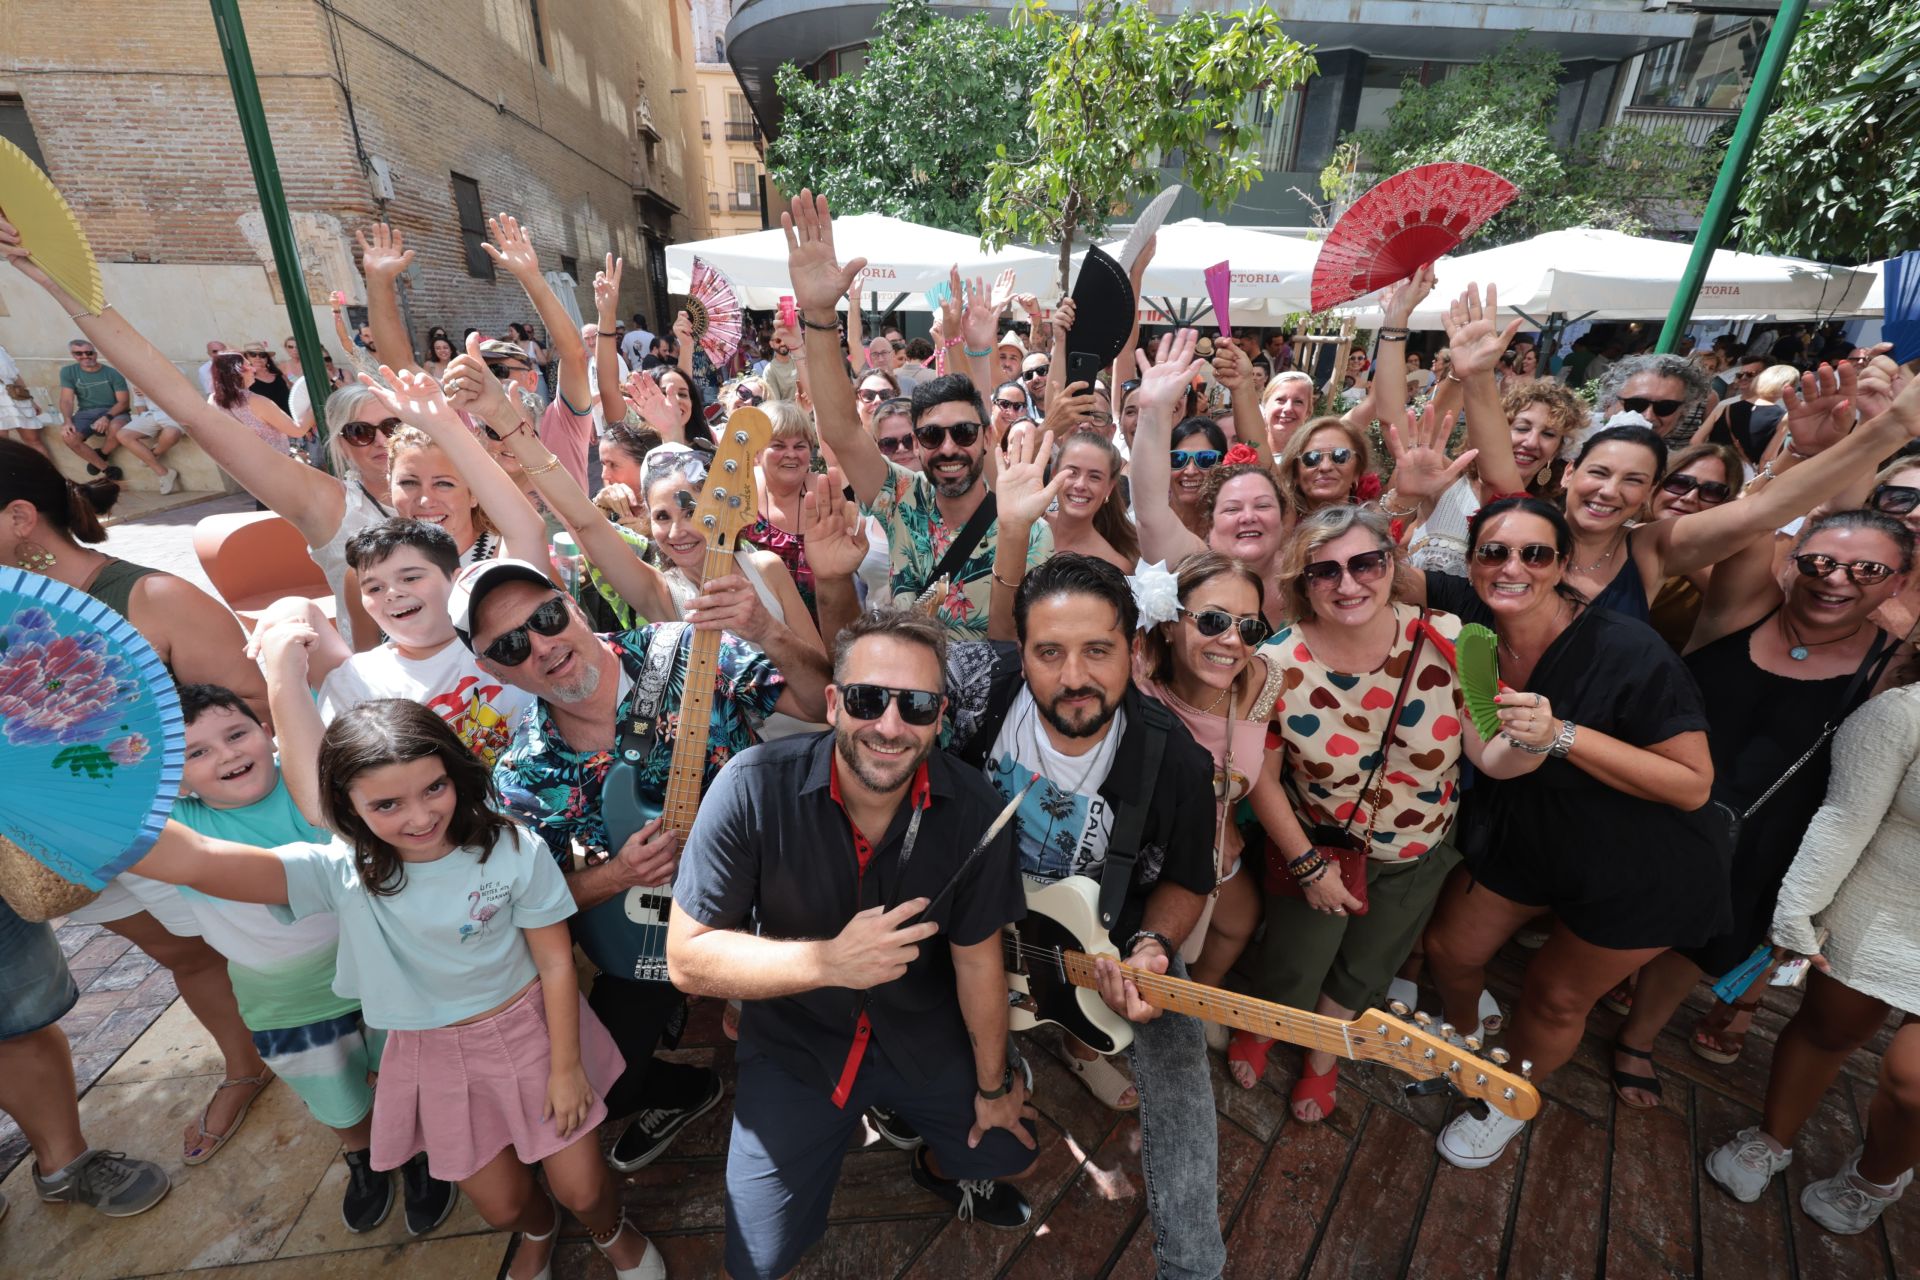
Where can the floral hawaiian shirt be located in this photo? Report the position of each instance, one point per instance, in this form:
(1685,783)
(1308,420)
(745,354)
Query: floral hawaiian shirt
(557,790)
(916,540)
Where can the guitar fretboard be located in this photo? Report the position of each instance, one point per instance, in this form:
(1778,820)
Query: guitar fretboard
(687,775)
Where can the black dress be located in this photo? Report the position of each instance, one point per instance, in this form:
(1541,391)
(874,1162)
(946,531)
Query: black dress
(1619,871)
(1762,723)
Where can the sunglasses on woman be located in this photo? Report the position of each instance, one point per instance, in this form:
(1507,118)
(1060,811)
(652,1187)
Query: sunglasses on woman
(1535,555)
(891,445)
(1368,566)
(1712,492)
(1661,408)
(1214,622)
(870,702)
(1009,406)
(513,647)
(748,397)
(362,433)
(869,396)
(1314,457)
(1202,459)
(963,433)
(1894,499)
(1861,573)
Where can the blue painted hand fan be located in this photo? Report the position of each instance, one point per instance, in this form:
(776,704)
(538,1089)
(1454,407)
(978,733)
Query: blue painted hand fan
(1901,322)
(91,738)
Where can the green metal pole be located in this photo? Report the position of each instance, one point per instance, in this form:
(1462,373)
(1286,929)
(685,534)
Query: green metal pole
(273,205)
(1719,212)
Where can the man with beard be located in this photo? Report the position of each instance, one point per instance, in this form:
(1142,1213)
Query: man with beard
(530,635)
(816,871)
(936,520)
(1126,794)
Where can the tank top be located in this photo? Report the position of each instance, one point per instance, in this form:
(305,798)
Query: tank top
(243,414)
(1238,747)
(792,550)
(1626,595)
(113,585)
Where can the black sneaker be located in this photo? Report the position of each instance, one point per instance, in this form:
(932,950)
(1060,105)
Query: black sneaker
(106,1181)
(653,1130)
(428,1199)
(996,1204)
(114,473)
(893,1126)
(369,1196)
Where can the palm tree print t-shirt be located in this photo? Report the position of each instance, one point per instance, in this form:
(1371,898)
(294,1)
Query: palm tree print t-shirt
(1064,822)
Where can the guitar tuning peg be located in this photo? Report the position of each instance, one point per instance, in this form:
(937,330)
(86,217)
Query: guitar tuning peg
(1446,1030)
(1473,1044)
(1526,1068)
(1398,1008)
(1480,1079)
(1501,1057)
(1424,1019)
(1507,1094)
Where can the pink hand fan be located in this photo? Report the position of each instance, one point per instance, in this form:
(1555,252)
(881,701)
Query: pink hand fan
(713,304)
(1402,225)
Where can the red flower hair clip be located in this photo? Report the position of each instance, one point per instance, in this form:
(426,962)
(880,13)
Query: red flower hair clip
(1240,455)
(1367,488)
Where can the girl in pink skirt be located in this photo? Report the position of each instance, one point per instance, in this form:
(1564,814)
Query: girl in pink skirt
(453,937)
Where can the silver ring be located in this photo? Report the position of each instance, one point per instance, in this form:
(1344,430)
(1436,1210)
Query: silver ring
(1339,911)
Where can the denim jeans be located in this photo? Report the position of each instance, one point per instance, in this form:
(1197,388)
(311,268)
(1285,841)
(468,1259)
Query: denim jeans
(1179,1144)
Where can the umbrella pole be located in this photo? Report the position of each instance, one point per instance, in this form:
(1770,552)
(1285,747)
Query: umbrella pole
(1719,211)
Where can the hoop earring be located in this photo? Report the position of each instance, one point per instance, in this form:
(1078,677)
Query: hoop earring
(32,557)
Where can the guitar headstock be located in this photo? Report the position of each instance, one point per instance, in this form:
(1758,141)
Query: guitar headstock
(1405,1042)
(727,503)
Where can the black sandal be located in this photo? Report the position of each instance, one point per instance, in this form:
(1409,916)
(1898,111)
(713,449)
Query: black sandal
(1623,1081)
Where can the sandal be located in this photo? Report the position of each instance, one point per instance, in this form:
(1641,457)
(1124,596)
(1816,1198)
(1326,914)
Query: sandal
(1104,1081)
(651,1265)
(527,1237)
(1620,999)
(1712,1037)
(1251,1051)
(1645,1084)
(198,1150)
(1317,1089)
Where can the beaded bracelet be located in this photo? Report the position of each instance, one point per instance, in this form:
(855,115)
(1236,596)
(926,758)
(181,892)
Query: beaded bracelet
(981,354)
(1394,335)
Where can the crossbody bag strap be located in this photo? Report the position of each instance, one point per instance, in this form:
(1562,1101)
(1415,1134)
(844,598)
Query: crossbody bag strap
(1393,724)
(1130,825)
(964,543)
(1869,670)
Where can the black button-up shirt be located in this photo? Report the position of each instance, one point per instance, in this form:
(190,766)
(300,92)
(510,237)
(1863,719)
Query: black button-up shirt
(772,852)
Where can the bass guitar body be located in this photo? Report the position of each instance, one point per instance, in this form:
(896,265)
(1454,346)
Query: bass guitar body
(1061,917)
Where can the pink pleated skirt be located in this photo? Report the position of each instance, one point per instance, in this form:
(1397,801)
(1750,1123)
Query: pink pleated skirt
(464,1094)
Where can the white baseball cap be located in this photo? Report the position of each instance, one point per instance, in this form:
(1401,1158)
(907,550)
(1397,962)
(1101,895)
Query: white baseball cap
(471,584)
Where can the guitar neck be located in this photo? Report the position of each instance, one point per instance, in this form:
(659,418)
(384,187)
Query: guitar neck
(687,775)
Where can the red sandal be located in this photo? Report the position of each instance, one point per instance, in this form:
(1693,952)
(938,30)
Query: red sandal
(1250,1049)
(1317,1089)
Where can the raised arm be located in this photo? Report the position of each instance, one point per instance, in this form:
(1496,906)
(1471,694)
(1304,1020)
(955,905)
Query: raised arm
(976,331)
(511,248)
(1477,341)
(217,868)
(1387,389)
(819,281)
(383,256)
(284,649)
(1237,374)
(1022,494)
(683,344)
(1163,387)
(273,415)
(606,308)
(856,348)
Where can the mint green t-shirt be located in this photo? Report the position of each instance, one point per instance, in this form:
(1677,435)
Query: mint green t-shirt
(95,390)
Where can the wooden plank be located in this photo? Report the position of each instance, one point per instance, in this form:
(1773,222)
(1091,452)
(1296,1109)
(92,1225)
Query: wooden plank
(1465,1220)
(1650,1193)
(1371,1227)
(865,1249)
(1737,1239)
(1092,1218)
(1275,1231)
(964,1249)
(1557,1217)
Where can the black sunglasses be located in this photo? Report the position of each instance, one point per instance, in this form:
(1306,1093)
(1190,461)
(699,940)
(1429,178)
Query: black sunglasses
(1204,459)
(748,397)
(1011,406)
(1313,457)
(895,444)
(504,371)
(1214,622)
(362,433)
(1861,573)
(963,433)
(1535,555)
(1894,499)
(1712,492)
(868,396)
(1661,408)
(1368,566)
(1038,371)
(513,647)
(870,701)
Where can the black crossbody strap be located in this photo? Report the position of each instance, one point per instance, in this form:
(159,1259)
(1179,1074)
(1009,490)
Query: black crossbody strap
(964,543)
(1130,823)
(1393,724)
(1869,670)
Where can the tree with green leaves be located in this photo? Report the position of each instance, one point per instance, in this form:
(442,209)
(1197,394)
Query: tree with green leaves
(1835,174)
(1121,86)
(912,132)
(1498,113)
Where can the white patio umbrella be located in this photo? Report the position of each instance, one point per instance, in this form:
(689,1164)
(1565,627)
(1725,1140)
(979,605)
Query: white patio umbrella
(1272,274)
(903,258)
(1584,273)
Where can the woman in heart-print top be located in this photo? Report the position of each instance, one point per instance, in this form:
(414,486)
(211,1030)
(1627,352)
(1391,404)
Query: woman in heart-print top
(1342,664)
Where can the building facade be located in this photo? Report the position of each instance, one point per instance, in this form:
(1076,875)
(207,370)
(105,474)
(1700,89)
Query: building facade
(732,164)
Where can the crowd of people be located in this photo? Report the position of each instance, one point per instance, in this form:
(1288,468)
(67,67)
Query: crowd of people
(1191,624)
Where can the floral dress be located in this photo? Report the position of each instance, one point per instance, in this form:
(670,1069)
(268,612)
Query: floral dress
(1330,725)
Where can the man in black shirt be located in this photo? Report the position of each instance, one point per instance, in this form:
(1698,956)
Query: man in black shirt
(784,900)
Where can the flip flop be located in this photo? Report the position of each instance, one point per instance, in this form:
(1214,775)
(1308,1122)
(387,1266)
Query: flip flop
(1317,1089)
(199,1152)
(1645,1084)
(1250,1049)
(1104,1081)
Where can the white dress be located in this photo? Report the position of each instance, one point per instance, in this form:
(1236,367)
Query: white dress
(1858,869)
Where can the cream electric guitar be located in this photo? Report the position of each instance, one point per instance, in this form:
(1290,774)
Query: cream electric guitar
(1050,956)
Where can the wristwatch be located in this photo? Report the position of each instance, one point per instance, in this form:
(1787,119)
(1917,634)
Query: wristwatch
(1166,944)
(1563,743)
(1006,1085)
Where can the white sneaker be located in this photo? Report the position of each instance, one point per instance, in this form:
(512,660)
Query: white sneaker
(169,480)
(1472,1143)
(1843,1205)
(1745,1165)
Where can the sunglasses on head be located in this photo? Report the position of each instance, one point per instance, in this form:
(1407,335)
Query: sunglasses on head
(895,444)
(1202,459)
(870,701)
(362,433)
(513,647)
(1894,499)
(503,371)
(963,433)
(1535,555)
(1130,386)
(1712,492)
(1214,622)
(1368,566)
(1861,573)
(1314,457)
(748,397)
(1038,371)
(1661,408)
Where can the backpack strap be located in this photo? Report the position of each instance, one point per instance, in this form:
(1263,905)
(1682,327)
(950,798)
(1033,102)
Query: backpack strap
(1130,821)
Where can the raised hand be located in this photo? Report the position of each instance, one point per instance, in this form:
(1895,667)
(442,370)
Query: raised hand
(383,251)
(1165,378)
(1474,334)
(1003,287)
(1234,368)
(1022,491)
(1881,381)
(982,313)
(1062,321)
(617,500)
(1068,408)
(471,387)
(832,528)
(1401,298)
(1820,409)
(413,396)
(1420,467)
(950,322)
(683,329)
(661,414)
(606,293)
(511,248)
(813,265)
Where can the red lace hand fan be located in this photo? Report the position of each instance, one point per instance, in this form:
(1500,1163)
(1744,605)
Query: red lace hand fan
(713,304)
(1402,225)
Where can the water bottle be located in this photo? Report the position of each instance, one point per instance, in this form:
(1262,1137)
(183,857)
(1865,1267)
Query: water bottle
(565,554)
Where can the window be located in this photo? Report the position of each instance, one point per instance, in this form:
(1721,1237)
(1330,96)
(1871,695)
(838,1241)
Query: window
(746,188)
(1277,126)
(739,119)
(1711,71)
(570,266)
(16,128)
(473,226)
(539,35)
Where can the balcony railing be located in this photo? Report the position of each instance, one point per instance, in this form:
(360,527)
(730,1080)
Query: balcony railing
(745,201)
(706,131)
(741,131)
(713,202)
(1696,125)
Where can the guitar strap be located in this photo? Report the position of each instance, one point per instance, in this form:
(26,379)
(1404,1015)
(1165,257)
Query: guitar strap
(640,731)
(1130,823)
(662,649)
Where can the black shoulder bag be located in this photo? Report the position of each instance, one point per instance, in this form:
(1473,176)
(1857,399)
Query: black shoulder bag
(964,543)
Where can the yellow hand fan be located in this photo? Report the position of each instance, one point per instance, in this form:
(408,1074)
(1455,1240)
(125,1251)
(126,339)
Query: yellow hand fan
(48,228)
